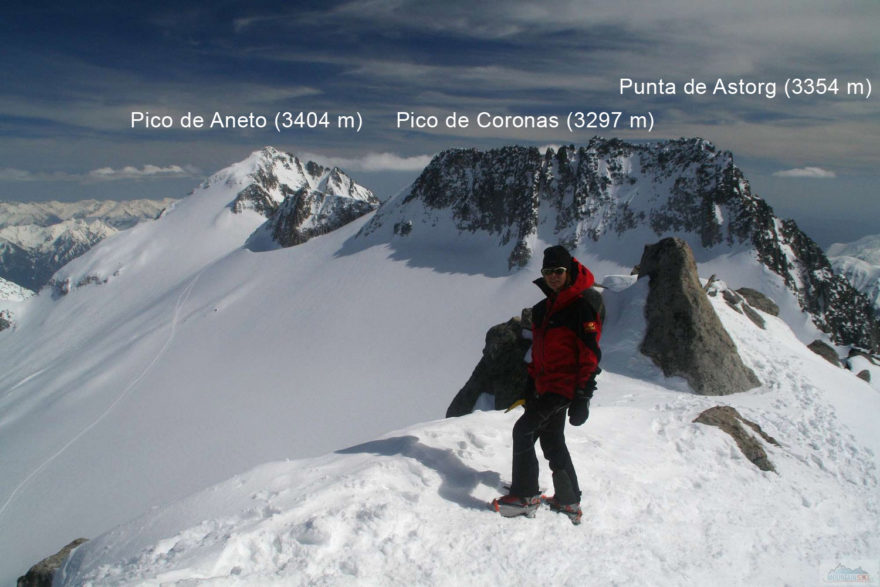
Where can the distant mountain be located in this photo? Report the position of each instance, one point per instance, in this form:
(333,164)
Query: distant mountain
(612,197)
(859,262)
(300,199)
(38,238)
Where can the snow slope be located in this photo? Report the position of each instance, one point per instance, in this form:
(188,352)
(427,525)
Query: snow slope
(170,358)
(178,359)
(667,501)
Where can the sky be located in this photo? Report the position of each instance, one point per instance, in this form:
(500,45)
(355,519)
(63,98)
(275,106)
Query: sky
(96,98)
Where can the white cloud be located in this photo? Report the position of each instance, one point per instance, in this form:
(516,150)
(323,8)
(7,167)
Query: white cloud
(148,171)
(102,174)
(808,172)
(374,162)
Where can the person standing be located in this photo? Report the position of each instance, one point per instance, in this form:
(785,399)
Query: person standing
(566,328)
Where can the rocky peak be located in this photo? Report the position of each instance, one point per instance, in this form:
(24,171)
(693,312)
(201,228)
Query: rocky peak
(268,177)
(581,194)
(299,199)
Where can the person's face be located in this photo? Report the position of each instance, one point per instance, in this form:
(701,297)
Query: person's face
(555,277)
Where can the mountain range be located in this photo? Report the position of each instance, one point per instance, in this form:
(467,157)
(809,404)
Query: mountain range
(255,321)
(38,238)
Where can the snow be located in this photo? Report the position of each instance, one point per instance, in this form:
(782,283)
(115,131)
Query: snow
(185,360)
(666,501)
(12,292)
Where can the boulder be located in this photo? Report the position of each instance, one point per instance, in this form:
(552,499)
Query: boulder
(759,301)
(501,371)
(684,336)
(42,573)
(730,421)
(825,351)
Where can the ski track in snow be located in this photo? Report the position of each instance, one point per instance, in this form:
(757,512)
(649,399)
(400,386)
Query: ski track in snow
(181,301)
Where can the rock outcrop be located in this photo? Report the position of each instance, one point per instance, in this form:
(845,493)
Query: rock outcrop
(730,421)
(826,351)
(501,371)
(42,573)
(684,336)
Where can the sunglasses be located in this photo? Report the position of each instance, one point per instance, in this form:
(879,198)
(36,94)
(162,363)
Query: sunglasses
(553,271)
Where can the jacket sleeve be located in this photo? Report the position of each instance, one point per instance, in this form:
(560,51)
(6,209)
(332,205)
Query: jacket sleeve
(589,331)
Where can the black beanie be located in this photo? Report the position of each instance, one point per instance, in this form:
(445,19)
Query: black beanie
(556,256)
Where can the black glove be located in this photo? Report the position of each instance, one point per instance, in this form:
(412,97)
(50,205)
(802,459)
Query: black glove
(579,410)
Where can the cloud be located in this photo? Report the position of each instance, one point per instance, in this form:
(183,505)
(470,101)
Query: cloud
(808,172)
(374,162)
(102,174)
(148,171)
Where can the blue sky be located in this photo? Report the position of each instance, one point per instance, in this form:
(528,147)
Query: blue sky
(74,73)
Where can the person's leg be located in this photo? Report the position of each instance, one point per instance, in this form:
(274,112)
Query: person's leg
(526,432)
(565,482)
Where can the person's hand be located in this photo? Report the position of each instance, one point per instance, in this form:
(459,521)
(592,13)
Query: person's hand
(579,410)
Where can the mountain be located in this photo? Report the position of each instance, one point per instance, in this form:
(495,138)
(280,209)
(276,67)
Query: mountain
(612,197)
(38,238)
(859,262)
(177,354)
(300,200)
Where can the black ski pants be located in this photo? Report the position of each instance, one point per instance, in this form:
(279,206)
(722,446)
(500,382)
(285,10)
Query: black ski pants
(543,420)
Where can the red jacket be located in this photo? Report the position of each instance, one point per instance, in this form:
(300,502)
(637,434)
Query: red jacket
(565,336)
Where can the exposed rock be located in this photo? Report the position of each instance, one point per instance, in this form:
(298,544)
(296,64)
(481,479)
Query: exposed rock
(6,320)
(759,301)
(825,351)
(42,573)
(684,336)
(729,420)
(864,375)
(502,370)
(752,315)
(306,213)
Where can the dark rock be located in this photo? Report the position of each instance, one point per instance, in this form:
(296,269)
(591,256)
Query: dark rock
(865,375)
(759,301)
(502,370)
(684,336)
(825,351)
(730,421)
(5,320)
(752,315)
(307,213)
(732,299)
(42,573)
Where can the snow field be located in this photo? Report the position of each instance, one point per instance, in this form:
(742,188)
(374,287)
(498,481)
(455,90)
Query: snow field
(666,501)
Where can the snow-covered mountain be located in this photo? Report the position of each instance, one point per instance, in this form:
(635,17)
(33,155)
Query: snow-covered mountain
(859,262)
(176,355)
(38,238)
(612,197)
(300,200)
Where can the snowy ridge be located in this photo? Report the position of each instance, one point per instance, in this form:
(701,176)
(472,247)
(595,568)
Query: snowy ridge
(36,239)
(859,262)
(118,214)
(12,292)
(411,506)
